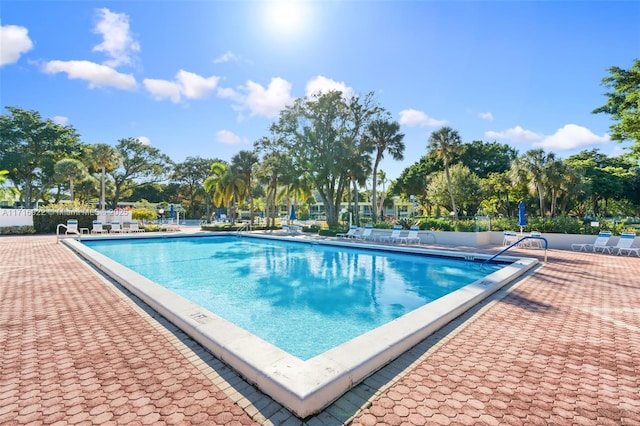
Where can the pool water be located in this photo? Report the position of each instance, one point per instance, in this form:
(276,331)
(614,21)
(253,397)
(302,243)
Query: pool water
(301,297)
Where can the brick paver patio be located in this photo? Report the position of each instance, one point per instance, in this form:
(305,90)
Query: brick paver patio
(560,347)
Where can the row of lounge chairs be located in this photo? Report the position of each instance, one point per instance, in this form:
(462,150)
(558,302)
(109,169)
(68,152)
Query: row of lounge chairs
(97,227)
(601,244)
(366,234)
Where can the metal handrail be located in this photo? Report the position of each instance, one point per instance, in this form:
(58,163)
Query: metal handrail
(526,237)
(77,234)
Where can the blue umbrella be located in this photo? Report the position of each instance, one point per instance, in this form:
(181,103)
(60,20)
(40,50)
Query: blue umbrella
(219,214)
(293,213)
(522,219)
(171,211)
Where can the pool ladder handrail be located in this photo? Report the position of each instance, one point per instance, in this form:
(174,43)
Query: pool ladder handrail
(244,227)
(65,235)
(526,237)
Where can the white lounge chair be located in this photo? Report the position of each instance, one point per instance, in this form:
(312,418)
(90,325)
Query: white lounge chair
(509,237)
(366,234)
(349,234)
(395,234)
(134,227)
(72,227)
(599,244)
(115,228)
(412,237)
(625,243)
(96,228)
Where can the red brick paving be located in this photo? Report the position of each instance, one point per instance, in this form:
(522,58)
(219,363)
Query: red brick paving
(561,347)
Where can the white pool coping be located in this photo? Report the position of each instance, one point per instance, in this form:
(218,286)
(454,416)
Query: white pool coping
(306,387)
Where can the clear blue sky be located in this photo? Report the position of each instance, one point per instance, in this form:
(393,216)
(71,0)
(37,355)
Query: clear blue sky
(206,78)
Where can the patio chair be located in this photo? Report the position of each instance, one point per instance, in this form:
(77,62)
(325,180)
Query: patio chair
(134,227)
(395,235)
(625,243)
(366,234)
(599,244)
(412,236)
(350,234)
(96,227)
(509,237)
(72,227)
(115,228)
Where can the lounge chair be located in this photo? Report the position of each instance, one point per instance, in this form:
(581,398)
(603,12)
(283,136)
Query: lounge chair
(395,235)
(350,234)
(624,244)
(115,228)
(134,227)
(366,234)
(412,237)
(72,227)
(599,244)
(509,237)
(96,227)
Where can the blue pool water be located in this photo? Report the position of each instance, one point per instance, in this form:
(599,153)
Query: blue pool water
(301,297)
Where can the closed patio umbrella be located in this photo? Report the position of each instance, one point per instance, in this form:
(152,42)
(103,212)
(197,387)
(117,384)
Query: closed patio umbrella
(522,219)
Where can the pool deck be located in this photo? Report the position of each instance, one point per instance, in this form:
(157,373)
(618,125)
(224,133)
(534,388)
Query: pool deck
(561,346)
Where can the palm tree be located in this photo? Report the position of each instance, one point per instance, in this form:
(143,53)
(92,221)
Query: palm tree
(70,169)
(104,157)
(382,179)
(243,163)
(532,167)
(382,136)
(445,143)
(210,184)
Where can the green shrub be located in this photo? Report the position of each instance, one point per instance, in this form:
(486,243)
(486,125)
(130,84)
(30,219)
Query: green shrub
(17,230)
(46,221)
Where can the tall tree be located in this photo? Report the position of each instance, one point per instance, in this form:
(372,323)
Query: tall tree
(190,175)
(243,163)
(70,169)
(483,158)
(466,186)
(533,167)
(141,165)
(30,146)
(105,158)
(623,104)
(445,143)
(320,134)
(213,183)
(382,136)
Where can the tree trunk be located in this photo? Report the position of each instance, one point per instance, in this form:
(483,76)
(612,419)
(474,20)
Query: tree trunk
(453,201)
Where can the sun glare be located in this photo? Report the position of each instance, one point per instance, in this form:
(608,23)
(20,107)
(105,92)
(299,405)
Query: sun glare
(287,17)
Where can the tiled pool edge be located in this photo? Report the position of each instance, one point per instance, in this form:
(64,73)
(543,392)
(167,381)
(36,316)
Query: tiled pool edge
(305,387)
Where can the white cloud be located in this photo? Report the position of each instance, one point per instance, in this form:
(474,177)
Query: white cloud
(144,140)
(413,117)
(487,116)
(267,102)
(58,119)
(323,85)
(572,136)
(97,75)
(14,41)
(516,134)
(186,84)
(194,86)
(226,57)
(162,89)
(227,137)
(118,43)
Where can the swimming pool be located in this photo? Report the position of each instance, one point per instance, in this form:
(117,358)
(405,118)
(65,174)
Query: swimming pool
(282,290)
(307,386)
